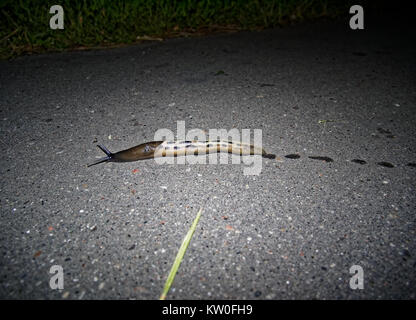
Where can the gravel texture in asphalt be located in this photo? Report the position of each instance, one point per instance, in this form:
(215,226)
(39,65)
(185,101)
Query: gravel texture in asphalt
(291,232)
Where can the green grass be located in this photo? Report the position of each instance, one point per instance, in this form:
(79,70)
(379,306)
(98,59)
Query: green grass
(179,256)
(25,28)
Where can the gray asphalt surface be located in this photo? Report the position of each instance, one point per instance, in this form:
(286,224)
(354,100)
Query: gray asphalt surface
(292,232)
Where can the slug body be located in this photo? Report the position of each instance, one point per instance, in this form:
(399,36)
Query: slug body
(156,149)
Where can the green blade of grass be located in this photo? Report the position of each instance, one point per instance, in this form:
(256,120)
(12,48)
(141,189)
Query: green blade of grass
(179,256)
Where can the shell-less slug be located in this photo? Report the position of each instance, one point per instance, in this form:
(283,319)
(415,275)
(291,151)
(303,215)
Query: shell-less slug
(156,149)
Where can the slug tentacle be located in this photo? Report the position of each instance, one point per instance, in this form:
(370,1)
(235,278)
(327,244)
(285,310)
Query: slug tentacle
(108,158)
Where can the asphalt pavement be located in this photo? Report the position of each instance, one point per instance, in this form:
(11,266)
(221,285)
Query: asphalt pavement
(291,232)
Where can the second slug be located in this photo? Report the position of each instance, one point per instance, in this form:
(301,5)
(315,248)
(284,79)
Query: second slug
(156,149)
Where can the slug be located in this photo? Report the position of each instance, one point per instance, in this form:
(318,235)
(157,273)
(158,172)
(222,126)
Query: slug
(156,149)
